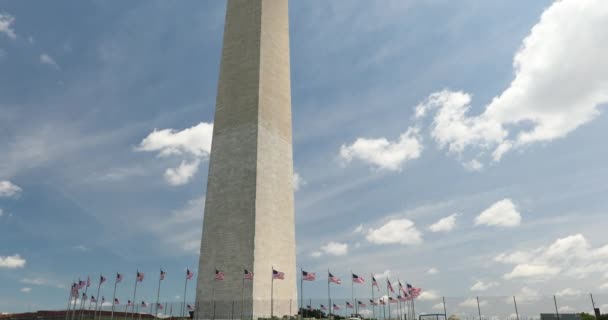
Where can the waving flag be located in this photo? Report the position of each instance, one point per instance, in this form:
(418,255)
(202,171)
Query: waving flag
(323,307)
(159,306)
(102,279)
(391,300)
(349,305)
(308,276)
(162,274)
(278,274)
(361,304)
(84,296)
(103,299)
(129,303)
(189,307)
(81,284)
(357,279)
(336,307)
(309,307)
(93,300)
(389,286)
(334,279)
(88,281)
(248,275)
(382,303)
(144,304)
(118,277)
(401,298)
(375,283)
(189,274)
(373,303)
(140,276)
(74,290)
(116,301)
(219,275)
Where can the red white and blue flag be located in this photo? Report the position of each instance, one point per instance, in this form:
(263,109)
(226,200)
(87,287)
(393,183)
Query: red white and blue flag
(189,274)
(278,275)
(389,286)
(382,303)
(323,307)
(349,305)
(118,277)
(140,276)
(375,283)
(334,279)
(162,274)
(81,284)
(159,306)
(102,279)
(144,304)
(308,276)
(88,281)
(337,307)
(372,302)
(93,299)
(391,300)
(189,307)
(129,303)
(74,290)
(309,307)
(103,299)
(116,301)
(248,275)
(219,275)
(358,279)
(84,296)
(361,304)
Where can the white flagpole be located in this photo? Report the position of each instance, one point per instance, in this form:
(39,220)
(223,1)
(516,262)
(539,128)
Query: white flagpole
(97,299)
(134,295)
(183,312)
(272,293)
(114,296)
(157,295)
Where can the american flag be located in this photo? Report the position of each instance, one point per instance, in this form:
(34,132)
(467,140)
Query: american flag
(81,284)
(349,305)
(84,296)
(189,274)
(375,283)
(116,301)
(129,303)
(391,300)
(357,279)
(118,277)
(277,275)
(309,276)
(162,274)
(75,290)
(323,307)
(102,279)
(219,275)
(248,275)
(309,307)
(93,299)
(334,279)
(373,303)
(336,307)
(144,304)
(389,286)
(140,276)
(382,303)
(88,281)
(189,307)
(103,299)
(415,292)
(159,306)
(401,298)
(361,304)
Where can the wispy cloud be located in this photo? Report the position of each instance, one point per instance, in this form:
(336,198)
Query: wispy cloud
(6,23)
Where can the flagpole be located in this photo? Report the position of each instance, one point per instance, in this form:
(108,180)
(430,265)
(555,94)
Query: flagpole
(157,295)
(82,301)
(328,295)
(67,312)
(185,292)
(373,299)
(97,301)
(413,309)
(212,294)
(243,295)
(114,296)
(76,300)
(352,288)
(387,298)
(302,293)
(134,294)
(272,293)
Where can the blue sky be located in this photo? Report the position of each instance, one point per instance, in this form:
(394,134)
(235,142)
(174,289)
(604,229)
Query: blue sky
(459,145)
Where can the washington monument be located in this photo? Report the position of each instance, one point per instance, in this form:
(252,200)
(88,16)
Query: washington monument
(249,212)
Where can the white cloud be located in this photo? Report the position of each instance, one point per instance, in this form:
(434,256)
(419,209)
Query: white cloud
(12,262)
(358,229)
(568,292)
(473,165)
(483,286)
(566,309)
(571,256)
(26,290)
(432,271)
(398,231)
(560,81)
(445,224)
(384,154)
(38,281)
(6,22)
(9,189)
(438,306)
(383,275)
(298,181)
(182,174)
(428,295)
(604,286)
(47,59)
(193,143)
(335,248)
(502,213)
(472,302)
(316,254)
(1,212)
(81,248)
(526,294)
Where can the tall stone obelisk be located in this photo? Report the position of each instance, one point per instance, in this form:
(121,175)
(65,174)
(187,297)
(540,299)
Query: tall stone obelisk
(249,213)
